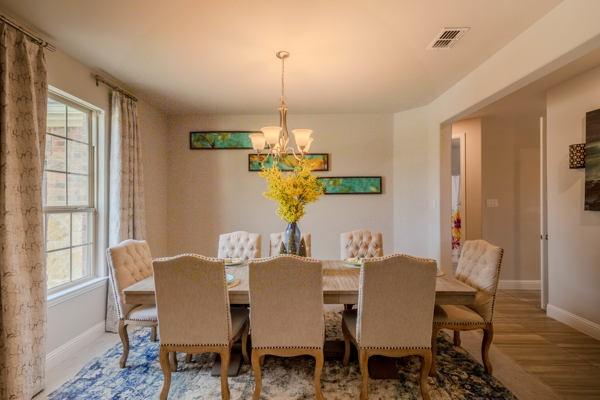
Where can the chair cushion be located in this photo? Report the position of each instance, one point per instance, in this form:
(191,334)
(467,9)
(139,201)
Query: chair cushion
(349,321)
(456,315)
(143,313)
(239,316)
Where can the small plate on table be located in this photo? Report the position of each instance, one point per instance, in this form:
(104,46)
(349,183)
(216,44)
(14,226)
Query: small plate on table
(353,262)
(230,262)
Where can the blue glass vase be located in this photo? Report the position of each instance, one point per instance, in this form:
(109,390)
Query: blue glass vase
(292,239)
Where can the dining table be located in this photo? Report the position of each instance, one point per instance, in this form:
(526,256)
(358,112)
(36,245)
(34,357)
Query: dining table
(340,286)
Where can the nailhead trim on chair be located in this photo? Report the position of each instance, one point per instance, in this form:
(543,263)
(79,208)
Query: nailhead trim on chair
(395,348)
(195,345)
(287,347)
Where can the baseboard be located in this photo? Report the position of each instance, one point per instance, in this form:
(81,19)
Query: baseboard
(574,321)
(74,345)
(520,285)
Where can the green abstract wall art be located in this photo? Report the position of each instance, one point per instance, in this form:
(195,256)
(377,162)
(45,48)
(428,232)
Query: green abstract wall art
(320,160)
(220,140)
(352,184)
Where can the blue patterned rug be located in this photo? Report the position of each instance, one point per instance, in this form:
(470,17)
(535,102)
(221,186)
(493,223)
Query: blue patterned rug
(459,377)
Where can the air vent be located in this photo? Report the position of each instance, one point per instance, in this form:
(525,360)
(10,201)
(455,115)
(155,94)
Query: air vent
(447,38)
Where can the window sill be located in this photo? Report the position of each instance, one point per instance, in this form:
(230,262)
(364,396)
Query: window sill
(75,291)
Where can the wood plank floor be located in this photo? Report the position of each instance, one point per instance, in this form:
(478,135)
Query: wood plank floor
(566,360)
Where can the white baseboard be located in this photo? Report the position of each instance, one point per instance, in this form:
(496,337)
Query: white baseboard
(574,321)
(74,345)
(520,285)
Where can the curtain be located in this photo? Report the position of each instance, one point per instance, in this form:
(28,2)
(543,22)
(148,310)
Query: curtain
(126,194)
(23,92)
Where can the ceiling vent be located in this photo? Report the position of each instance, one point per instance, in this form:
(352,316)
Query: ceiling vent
(447,38)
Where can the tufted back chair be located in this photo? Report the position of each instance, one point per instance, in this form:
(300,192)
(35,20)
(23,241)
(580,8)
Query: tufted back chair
(128,262)
(361,243)
(479,267)
(277,239)
(240,244)
(191,285)
(286,303)
(396,292)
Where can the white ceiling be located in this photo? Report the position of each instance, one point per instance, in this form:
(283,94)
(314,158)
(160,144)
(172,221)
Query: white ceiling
(218,56)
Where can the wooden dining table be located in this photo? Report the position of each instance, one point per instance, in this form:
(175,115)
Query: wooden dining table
(340,286)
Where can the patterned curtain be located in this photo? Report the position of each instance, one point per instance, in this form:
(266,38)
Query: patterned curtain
(23,101)
(127,218)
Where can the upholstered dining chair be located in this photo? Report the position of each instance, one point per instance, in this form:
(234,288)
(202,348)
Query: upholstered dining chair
(130,262)
(239,244)
(395,311)
(194,313)
(479,267)
(277,238)
(361,243)
(286,306)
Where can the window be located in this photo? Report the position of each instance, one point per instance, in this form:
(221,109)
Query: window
(69,193)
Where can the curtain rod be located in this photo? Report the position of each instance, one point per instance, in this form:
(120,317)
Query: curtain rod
(100,79)
(36,39)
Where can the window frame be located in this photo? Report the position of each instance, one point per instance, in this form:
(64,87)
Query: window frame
(91,208)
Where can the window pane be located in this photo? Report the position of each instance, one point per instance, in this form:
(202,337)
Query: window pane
(77,125)
(57,231)
(55,153)
(78,190)
(56,118)
(55,189)
(81,233)
(78,157)
(57,263)
(80,262)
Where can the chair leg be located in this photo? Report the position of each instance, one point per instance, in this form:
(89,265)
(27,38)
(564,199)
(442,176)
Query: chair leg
(188,358)
(457,338)
(434,333)
(425,367)
(256,364)
(346,346)
(488,335)
(153,335)
(363,361)
(125,341)
(165,365)
(173,361)
(245,344)
(262,360)
(224,370)
(318,369)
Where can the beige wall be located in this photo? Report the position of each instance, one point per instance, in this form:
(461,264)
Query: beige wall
(574,243)
(212,192)
(510,171)
(71,318)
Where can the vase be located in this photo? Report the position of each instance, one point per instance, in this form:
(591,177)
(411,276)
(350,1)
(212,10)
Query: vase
(292,239)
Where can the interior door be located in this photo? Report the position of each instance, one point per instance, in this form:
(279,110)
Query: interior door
(543,219)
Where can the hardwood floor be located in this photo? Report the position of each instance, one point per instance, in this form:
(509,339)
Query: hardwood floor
(566,360)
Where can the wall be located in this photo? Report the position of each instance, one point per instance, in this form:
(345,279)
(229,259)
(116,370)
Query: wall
(510,174)
(574,243)
(79,314)
(212,192)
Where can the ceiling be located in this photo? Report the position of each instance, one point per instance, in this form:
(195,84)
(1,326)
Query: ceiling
(189,56)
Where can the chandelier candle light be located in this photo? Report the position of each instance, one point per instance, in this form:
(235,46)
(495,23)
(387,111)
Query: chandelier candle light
(294,190)
(274,140)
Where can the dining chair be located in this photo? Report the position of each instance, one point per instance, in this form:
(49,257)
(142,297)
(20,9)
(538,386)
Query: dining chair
(286,307)
(396,297)
(361,243)
(239,244)
(479,267)
(277,238)
(130,262)
(194,313)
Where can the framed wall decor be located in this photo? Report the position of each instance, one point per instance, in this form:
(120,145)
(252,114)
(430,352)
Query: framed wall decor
(220,140)
(352,184)
(592,160)
(320,160)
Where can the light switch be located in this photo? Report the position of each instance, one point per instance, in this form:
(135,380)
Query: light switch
(492,203)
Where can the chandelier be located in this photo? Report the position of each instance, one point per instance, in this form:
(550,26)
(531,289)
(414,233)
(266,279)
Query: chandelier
(274,140)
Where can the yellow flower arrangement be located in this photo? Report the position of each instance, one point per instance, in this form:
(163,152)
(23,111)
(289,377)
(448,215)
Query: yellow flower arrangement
(293,190)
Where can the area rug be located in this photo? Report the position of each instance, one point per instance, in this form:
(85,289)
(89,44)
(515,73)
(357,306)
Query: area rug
(459,376)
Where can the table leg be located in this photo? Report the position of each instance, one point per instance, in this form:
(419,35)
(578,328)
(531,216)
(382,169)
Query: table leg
(235,362)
